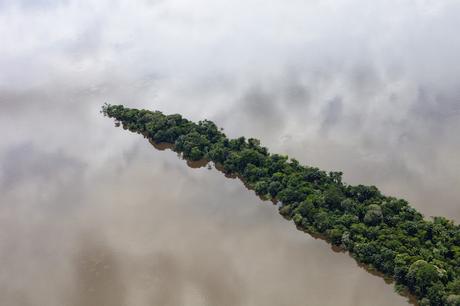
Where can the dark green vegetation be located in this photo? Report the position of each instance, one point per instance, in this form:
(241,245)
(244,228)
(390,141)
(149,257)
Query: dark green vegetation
(382,232)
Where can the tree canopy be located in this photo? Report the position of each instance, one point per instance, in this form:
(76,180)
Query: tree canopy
(380,231)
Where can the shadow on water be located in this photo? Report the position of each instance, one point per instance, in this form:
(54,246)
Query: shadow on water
(336,249)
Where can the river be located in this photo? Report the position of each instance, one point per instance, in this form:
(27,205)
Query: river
(92,215)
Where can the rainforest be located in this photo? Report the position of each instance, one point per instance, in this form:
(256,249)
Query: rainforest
(382,232)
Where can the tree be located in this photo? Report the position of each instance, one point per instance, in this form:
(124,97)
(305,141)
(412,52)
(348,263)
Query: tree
(453,300)
(333,197)
(335,235)
(421,276)
(373,215)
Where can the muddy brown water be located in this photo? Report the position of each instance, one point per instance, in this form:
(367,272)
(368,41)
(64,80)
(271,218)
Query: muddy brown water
(152,231)
(92,215)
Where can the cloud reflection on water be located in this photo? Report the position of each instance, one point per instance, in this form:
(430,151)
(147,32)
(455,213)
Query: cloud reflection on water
(367,88)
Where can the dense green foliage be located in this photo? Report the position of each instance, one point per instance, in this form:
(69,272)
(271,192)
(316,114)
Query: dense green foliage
(382,232)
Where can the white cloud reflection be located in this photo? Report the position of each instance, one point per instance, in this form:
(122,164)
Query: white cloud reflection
(367,87)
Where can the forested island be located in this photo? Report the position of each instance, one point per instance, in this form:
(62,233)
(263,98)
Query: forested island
(382,232)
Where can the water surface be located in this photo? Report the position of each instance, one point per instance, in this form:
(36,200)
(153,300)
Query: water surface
(94,215)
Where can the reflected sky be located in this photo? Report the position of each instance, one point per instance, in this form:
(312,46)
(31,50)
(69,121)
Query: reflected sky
(94,215)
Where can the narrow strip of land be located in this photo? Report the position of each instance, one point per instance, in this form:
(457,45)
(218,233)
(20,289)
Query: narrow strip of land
(380,231)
